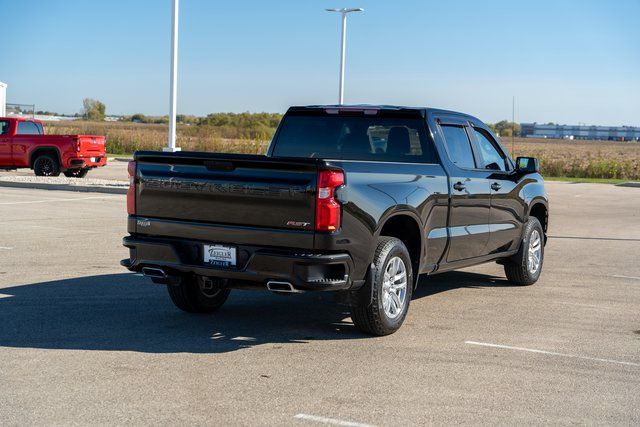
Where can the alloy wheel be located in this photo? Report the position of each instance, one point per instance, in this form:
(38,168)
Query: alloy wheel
(394,288)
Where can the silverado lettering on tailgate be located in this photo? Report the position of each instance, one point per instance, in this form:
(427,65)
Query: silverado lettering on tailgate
(290,191)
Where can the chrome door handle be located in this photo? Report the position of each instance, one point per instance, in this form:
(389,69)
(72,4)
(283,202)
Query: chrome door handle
(495,186)
(459,186)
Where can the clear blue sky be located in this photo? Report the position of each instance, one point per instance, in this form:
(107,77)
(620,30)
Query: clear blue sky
(566,61)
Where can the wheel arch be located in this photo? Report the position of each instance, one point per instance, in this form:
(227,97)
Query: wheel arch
(44,151)
(406,226)
(539,209)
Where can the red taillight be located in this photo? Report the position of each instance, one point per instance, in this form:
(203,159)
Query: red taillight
(131,193)
(327,207)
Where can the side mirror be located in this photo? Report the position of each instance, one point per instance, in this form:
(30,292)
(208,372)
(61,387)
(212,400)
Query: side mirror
(527,165)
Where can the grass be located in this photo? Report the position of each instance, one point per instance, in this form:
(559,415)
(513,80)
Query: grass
(588,180)
(606,161)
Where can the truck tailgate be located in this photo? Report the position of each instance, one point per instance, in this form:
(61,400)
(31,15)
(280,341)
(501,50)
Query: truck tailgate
(227,189)
(91,145)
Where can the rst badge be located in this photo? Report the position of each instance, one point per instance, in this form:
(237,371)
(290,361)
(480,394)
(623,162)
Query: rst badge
(298,224)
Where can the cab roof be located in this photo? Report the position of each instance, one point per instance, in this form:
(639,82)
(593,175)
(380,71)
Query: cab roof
(21,119)
(374,109)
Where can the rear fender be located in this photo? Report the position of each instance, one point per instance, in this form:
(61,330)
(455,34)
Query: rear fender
(40,150)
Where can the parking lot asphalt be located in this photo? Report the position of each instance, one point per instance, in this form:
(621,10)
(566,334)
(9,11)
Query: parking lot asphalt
(84,342)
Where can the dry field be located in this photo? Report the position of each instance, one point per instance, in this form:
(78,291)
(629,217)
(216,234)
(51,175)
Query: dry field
(581,159)
(126,137)
(576,159)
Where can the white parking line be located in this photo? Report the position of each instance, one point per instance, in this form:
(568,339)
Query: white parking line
(620,276)
(330,421)
(5,248)
(28,202)
(576,304)
(551,353)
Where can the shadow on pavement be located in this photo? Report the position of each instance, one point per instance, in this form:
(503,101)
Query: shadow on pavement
(128,312)
(125,312)
(431,285)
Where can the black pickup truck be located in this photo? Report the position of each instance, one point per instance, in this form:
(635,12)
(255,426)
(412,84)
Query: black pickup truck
(358,200)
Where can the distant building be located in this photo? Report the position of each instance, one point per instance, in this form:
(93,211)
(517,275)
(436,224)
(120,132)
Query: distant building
(607,133)
(3,99)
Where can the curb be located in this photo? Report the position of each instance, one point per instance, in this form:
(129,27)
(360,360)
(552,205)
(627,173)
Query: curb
(64,187)
(629,184)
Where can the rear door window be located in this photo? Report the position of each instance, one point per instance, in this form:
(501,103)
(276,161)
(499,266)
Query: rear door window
(4,127)
(458,146)
(28,128)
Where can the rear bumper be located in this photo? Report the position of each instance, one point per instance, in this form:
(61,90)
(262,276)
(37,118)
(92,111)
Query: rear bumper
(86,162)
(305,270)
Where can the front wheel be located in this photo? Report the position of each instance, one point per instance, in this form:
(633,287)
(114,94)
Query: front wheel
(392,290)
(76,173)
(525,267)
(196,294)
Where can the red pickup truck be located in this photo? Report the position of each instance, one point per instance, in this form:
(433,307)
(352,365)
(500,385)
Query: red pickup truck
(23,144)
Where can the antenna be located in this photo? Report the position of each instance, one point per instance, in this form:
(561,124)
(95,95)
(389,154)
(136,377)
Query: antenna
(513,124)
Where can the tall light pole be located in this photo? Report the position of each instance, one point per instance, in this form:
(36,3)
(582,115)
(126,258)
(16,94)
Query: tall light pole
(173,93)
(343,43)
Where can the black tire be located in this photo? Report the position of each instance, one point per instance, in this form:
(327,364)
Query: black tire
(517,268)
(372,317)
(76,173)
(46,165)
(192,297)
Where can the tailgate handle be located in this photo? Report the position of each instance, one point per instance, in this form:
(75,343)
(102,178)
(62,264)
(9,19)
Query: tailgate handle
(219,166)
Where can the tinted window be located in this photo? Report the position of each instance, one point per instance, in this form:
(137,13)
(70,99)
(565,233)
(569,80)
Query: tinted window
(4,127)
(355,138)
(492,157)
(458,146)
(28,128)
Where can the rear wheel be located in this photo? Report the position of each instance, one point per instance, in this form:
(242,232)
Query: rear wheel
(197,294)
(392,290)
(525,267)
(76,173)
(46,165)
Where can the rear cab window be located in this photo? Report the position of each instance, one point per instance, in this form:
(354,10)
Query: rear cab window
(354,137)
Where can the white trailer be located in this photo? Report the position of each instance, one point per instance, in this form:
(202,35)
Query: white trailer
(3,99)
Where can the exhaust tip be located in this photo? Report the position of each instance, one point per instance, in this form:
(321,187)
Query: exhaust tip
(157,273)
(281,287)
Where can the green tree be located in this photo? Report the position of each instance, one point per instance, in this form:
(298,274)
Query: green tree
(92,109)
(139,118)
(505,128)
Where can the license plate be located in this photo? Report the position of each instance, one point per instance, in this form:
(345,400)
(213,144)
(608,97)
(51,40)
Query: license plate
(93,159)
(219,255)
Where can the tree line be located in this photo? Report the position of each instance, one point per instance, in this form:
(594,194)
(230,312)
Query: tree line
(248,125)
